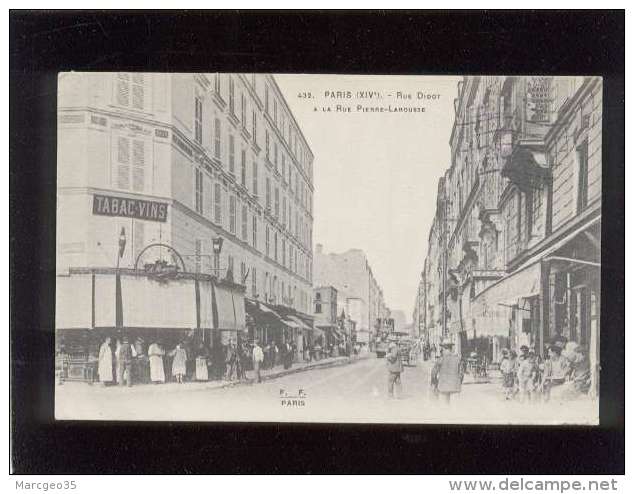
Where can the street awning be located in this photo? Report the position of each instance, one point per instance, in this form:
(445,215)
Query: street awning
(491,309)
(153,304)
(73,302)
(291,324)
(263,315)
(527,166)
(230,308)
(299,322)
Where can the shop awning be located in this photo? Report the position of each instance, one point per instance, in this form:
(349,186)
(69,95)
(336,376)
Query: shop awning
(73,302)
(527,166)
(301,324)
(263,315)
(230,308)
(491,309)
(151,303)
(291,324)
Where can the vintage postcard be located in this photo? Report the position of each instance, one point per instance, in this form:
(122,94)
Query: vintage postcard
(328,248)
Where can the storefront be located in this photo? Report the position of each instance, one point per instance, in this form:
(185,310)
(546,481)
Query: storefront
(200,312)
(507,313)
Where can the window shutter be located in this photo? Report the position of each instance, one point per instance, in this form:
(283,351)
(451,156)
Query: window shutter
(123,89)
(138,91)
(138,165)
(123,165)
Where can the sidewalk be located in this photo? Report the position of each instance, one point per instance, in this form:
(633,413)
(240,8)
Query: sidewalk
(267,374)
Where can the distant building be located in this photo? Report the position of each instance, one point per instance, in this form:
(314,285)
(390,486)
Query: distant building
(350,273)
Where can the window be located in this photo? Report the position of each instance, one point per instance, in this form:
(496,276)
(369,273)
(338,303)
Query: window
(243,168)
(232,154)
(255,177)
(268,241)
(127,175)
(268,157)
(243,110)
(232,102)
(268,192)
(317,308)
(138,165)
(217,83)
(284,211)
(198,119)
(283,166)
(243,272)
(255,231)
(254,123)
(217,204)
(244,222)
(582,162)
(275,247)
(266,99)
(217,134)
(130,84)
(198,199)
(275,156)
(277,202)
(533,215)
(284,252)
(275,112)
(232,214)
(254,283)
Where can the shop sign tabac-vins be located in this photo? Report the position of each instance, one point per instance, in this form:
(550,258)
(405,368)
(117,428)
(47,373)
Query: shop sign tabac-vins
(129,208)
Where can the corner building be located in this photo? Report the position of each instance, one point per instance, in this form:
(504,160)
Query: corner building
(220,155)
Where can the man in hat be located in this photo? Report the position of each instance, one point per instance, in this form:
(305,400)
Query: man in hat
(448,371)
(394,369)
(555,369)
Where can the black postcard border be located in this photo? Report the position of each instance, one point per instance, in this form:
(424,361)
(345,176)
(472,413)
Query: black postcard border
(384,42)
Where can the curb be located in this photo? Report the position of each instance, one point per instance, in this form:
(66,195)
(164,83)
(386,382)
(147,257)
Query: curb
(297,370)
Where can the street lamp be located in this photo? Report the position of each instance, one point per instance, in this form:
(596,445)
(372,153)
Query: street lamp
(217,248)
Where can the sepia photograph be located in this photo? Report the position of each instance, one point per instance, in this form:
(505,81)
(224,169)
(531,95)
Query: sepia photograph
(328,248)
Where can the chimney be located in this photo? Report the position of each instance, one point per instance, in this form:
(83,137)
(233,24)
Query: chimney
(319,248)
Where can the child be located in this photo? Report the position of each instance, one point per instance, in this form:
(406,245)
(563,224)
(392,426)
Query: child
(526,375)
(507,368)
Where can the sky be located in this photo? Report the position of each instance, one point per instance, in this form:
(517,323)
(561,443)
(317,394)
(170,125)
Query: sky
(376,174)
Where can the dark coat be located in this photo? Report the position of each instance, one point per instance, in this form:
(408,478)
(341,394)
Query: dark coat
(449,379)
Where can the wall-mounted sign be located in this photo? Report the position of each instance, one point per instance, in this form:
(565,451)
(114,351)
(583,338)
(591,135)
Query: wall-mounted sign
(125,207)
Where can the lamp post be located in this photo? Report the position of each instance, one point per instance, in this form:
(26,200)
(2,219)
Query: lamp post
(217,248)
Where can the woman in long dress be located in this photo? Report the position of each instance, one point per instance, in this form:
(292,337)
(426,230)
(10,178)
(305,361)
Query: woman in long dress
(105,362)
(157,372)
(179,366)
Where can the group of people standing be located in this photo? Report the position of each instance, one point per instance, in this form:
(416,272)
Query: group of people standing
(129,362)
(529,377)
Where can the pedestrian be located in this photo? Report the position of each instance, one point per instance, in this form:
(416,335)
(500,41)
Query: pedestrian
(157,371)
(507,369)
(394,369)
(230,360)
(202,357)
(258,359)
(449,372)
(581,375)
(555,370)
(105,362)
(125,359)
(118,371)
(179,365)
(526,375)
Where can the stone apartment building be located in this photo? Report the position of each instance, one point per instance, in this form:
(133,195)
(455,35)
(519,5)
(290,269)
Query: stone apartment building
(351,274)
(180,160)
(522,213)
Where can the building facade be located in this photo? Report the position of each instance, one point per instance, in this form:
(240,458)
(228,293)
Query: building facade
(220,154)
(514,250)
(352,276)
